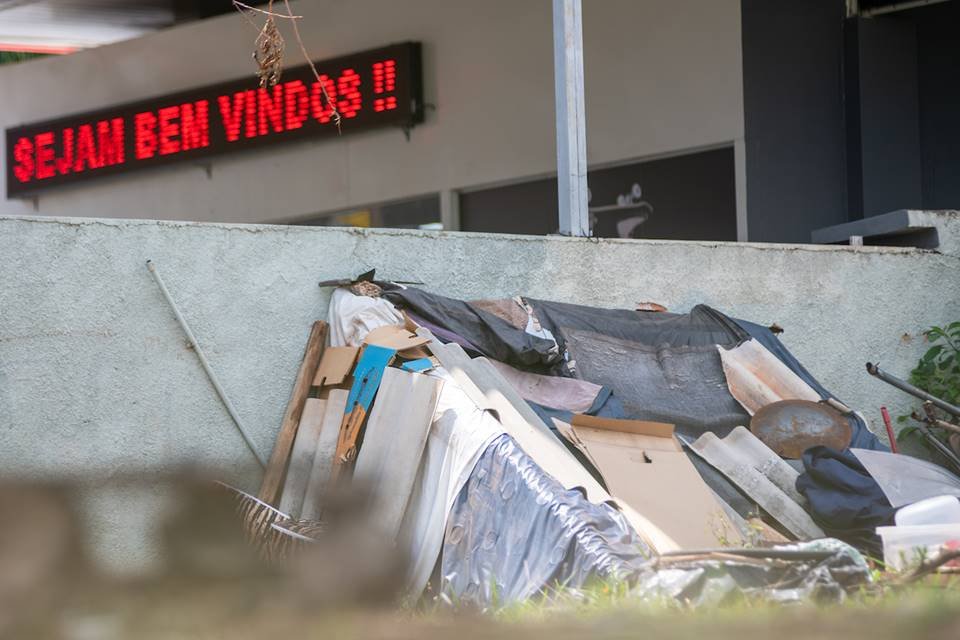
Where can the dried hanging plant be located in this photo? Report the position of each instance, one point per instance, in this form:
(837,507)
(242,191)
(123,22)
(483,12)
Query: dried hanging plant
(269,50)
(269,54)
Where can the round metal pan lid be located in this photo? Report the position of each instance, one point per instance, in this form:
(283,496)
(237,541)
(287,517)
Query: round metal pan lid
(790,427)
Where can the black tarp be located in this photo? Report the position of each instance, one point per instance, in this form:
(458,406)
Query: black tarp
(662,366)
(481,331)
(843,498)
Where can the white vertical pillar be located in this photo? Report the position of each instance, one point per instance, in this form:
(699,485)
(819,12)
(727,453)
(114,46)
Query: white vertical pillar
(571,123)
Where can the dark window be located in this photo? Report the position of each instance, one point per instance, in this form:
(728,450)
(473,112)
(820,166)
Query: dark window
(687,197)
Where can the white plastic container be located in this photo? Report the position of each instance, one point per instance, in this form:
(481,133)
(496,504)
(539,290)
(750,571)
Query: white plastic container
(905,546)
(938,510)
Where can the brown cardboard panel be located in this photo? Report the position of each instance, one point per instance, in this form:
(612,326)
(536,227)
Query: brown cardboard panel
(395,336)
(665,488)
(639,427)
(335,366)
(620,439)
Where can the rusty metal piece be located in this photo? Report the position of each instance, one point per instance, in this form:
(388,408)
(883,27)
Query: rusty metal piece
(790,427)
(651,307)
(934,421)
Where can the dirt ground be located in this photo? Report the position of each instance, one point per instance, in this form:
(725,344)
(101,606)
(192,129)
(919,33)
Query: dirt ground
(248,611)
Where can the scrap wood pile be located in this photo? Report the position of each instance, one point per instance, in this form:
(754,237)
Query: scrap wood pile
(509,447)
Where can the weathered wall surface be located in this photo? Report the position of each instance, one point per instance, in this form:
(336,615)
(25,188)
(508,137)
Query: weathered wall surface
(95,376)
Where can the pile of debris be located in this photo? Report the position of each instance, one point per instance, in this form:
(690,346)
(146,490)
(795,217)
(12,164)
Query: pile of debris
(511,447)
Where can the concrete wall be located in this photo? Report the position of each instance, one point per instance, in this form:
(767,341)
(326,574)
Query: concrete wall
(661,76)
(96,378)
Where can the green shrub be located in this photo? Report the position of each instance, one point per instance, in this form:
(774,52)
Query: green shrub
(938,371)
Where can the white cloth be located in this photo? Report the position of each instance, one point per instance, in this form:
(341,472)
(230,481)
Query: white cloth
(459,435)
(352,317)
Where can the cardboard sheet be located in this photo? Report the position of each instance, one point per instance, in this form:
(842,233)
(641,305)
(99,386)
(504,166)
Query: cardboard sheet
(396,337)
(335,366)
(645,467)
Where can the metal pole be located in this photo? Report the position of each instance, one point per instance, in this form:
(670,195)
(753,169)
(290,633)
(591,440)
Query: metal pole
(903,385)
(571,121)
(206,365)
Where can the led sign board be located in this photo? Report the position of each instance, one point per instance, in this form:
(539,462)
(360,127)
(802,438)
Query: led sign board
(371,89)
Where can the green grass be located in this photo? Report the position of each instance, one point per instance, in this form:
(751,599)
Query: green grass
(242,611)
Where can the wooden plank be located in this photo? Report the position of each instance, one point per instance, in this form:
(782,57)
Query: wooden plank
(367,375)
(393,444)
(277,465)
(301,458)
(761,490)
(323,456)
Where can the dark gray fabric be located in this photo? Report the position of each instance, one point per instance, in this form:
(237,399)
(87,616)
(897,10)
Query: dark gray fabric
(681,385)
(701,327)
(491,335)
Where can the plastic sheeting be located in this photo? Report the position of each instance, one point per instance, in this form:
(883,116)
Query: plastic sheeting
(514,531)
(905,479)
(818,577)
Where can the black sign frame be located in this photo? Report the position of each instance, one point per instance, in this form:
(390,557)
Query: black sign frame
(409,111)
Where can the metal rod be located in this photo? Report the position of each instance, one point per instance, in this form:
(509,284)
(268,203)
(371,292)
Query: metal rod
(944,450)
(571,119)
(903,385)
(934,421)
(206,365)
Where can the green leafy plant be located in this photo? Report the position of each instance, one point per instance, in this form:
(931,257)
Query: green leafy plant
(938,371)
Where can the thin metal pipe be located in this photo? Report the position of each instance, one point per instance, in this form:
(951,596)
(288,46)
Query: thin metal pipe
(934,421)
(206,365)
(944,450)
(903,385)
